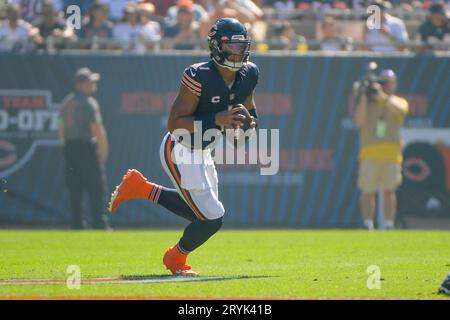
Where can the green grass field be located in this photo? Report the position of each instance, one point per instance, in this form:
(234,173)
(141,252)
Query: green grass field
(294,263)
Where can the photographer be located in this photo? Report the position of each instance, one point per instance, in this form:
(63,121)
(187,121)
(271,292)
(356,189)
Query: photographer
(379,116)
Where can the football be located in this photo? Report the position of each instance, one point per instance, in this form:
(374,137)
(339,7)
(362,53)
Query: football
(247,121)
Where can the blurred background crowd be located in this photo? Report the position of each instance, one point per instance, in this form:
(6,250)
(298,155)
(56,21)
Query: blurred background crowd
(150,25)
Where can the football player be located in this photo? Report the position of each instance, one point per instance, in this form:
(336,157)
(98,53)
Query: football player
(212,93)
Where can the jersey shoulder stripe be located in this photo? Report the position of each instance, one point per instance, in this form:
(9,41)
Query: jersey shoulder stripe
(191,88)
(192,78)
(192,81)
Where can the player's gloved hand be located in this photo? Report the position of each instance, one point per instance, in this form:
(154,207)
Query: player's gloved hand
(230,119)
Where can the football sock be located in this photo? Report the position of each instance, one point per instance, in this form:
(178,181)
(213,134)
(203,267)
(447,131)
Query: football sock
(181,250)
(196,233)
(172,201)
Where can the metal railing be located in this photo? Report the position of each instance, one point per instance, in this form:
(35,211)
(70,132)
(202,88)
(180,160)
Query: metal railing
(343,14)
(52,45)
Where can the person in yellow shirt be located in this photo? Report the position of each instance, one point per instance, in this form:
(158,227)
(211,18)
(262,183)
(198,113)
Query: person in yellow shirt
(379,119)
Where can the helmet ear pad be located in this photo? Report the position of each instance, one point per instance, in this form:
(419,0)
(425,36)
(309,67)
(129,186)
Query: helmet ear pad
(216,52)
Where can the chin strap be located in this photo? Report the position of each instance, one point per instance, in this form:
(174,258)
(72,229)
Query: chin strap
(228,64)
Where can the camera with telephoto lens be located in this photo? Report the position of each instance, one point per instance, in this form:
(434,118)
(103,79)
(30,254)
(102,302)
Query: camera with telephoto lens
(367,84)
(369,80)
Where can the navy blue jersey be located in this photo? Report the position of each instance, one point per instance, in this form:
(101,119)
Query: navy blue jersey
(205,81)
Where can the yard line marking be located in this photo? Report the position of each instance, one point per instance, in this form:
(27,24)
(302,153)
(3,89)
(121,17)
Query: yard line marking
(178,298)
(122,280)
(106,297)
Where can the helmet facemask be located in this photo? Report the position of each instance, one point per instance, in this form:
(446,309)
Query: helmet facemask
(235,53)
(230,54)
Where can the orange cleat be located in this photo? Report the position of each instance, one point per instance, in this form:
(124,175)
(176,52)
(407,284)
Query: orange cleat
(176,262)
(133,186)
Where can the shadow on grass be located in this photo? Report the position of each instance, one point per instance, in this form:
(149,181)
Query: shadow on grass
(171,278)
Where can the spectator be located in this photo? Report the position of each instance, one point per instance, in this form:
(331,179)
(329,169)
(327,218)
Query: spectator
(250,6)
(84,5)
(52,27)
(330,39)
(150,31)
(161,6)
(98,30)
(117,7)
(405,6)
(32,9)
(322,7)
(305,5)
(199,13)
(185,31)
(208,5)
(126,33)
(285,8)
(243,10)
(390,37)
(435,32)
(285,37)
(358,5)
(85,147)
(17,35)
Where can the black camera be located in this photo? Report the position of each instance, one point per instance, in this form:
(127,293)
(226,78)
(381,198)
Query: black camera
(369,80)
(367,84)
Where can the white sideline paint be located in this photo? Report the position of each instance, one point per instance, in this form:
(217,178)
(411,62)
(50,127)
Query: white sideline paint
(124,280)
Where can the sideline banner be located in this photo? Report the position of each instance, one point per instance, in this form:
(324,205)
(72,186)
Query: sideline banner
(307,98)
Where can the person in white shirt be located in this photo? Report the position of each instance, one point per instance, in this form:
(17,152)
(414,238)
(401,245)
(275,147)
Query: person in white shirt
(17,35)
(392,35)
(150,33)
(116,8)
(126,33)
